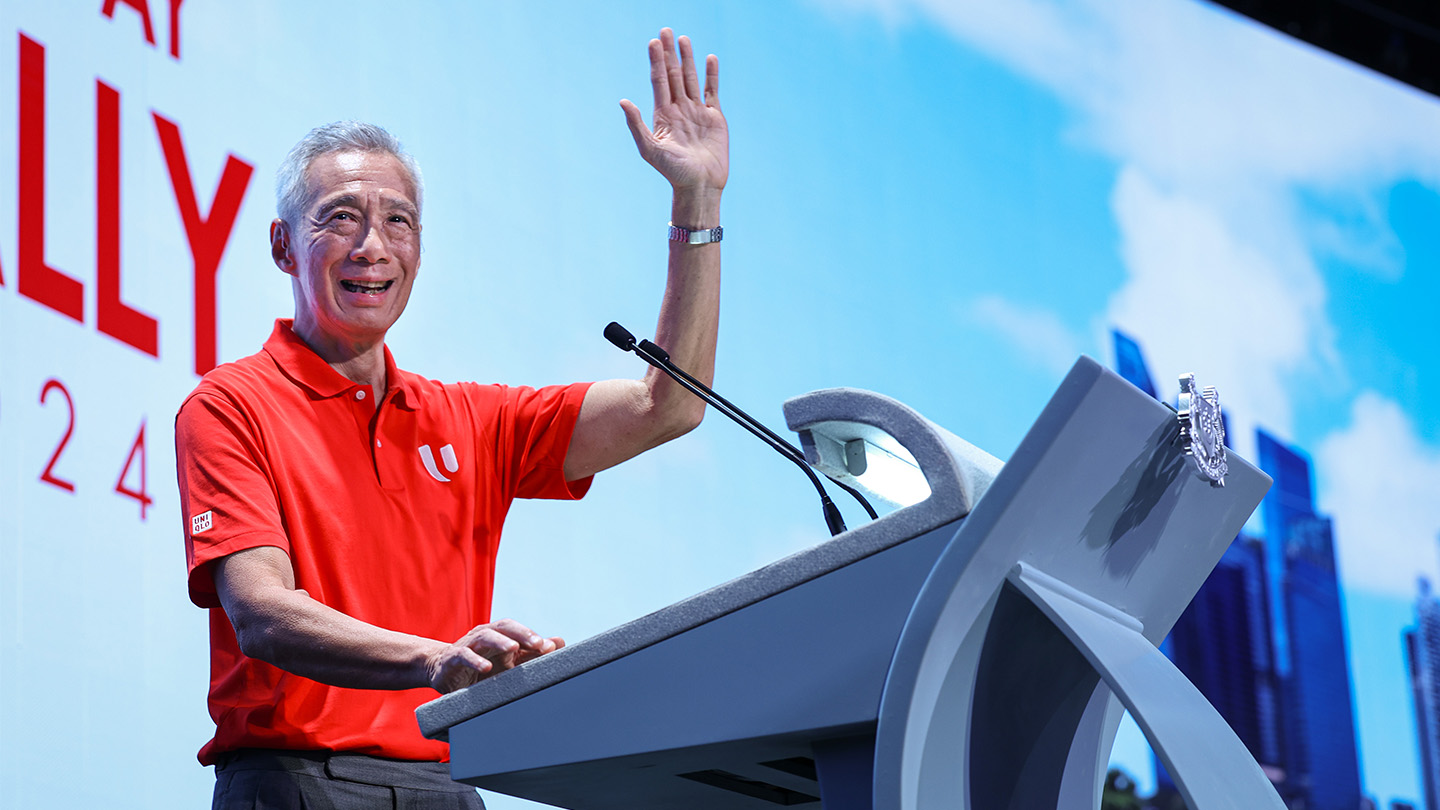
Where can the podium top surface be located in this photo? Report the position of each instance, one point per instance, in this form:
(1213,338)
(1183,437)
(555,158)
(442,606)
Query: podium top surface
(957,474)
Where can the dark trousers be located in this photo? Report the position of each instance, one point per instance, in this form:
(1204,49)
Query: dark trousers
(318,780)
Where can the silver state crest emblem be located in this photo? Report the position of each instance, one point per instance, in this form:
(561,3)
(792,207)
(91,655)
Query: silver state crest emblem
(1202,431)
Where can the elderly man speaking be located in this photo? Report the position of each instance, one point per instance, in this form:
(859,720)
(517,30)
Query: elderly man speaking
(342,515)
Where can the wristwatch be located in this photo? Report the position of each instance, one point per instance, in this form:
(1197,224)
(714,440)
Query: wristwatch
(705,237)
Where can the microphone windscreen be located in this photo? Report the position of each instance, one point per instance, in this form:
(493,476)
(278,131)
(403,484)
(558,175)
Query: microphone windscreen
(620,336)
(654,351)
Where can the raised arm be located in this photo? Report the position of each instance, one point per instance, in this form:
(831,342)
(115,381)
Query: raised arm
(690,146)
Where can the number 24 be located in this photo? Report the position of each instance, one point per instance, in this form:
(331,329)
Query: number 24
(137,452)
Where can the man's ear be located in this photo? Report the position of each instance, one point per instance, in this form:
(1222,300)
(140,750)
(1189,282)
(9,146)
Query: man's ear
(280,247)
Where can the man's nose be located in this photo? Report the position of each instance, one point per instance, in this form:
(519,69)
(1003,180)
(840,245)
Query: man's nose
(371,249)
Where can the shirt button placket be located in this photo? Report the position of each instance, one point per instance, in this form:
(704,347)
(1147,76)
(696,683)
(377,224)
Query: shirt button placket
(381,473)
(364,410)
(393,456)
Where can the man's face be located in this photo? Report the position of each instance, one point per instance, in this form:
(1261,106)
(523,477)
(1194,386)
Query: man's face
(355,251)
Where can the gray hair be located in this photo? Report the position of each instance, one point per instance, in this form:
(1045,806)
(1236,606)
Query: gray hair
(291,191)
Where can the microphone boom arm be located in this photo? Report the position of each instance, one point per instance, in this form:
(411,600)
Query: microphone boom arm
(659,358)
(778,442)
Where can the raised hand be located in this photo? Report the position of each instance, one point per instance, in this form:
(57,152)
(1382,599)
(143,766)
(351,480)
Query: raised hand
(690,144)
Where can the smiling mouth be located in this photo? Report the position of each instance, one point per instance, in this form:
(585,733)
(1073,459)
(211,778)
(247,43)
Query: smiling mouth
(371,287)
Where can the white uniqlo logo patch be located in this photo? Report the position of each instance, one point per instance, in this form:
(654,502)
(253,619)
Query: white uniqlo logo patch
(201,522)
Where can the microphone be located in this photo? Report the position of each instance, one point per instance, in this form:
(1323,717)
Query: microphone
(659,358)
(620,336)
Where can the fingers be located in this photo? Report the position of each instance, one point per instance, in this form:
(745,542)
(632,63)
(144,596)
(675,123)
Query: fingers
(673,73)
(712,80)
(636,122)
(548,645)
(520,634)
(492,645)
(507,643)
(673,79)
(659,78)
(687,70)
(486,650)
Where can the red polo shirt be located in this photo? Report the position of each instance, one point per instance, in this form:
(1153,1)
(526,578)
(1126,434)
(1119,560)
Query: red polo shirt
(394,520)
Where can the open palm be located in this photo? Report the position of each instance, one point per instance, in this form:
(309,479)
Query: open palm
(690,143)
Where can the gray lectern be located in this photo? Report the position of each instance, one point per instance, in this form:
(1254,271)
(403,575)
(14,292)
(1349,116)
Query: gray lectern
(936,658)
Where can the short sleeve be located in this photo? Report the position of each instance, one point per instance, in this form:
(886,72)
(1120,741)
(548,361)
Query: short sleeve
(533,437)
(227,494)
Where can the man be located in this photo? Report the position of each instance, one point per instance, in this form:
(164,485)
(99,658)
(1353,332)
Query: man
(342,515)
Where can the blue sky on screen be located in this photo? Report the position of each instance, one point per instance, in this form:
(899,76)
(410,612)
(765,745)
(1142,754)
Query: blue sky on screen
(942,201)
(1266,217)
(946,202)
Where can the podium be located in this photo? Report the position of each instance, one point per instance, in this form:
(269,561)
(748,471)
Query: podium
(974,650)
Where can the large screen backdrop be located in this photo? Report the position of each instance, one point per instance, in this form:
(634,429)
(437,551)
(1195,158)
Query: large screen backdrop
(944,202)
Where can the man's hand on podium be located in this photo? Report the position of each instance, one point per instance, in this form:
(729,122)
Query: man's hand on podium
(485,651)
(282,625)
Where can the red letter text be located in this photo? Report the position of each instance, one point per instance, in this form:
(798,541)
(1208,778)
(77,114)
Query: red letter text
(37,280)
(175,28)
(142,6)
(207,235)
(112,316)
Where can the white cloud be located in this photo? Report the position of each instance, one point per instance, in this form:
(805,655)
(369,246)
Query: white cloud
(1037,333)
(1179,87)
(1204,301)
(1218,128)
(1380,486)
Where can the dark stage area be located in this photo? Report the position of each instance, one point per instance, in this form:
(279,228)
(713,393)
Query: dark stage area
(1399,38)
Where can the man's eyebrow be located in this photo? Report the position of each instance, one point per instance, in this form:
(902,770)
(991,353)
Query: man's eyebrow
(343,201)
(400,203)
(353,201)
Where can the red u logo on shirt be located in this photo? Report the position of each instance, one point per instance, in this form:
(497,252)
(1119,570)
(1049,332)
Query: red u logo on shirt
(447,454)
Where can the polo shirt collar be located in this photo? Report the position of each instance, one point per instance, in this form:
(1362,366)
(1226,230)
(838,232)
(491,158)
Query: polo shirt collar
(307,369)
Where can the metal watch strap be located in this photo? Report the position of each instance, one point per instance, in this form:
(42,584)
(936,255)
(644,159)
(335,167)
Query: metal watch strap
(703,237)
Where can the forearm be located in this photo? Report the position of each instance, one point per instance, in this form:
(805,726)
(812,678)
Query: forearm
(292,631)
(690,147)
(690,311)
